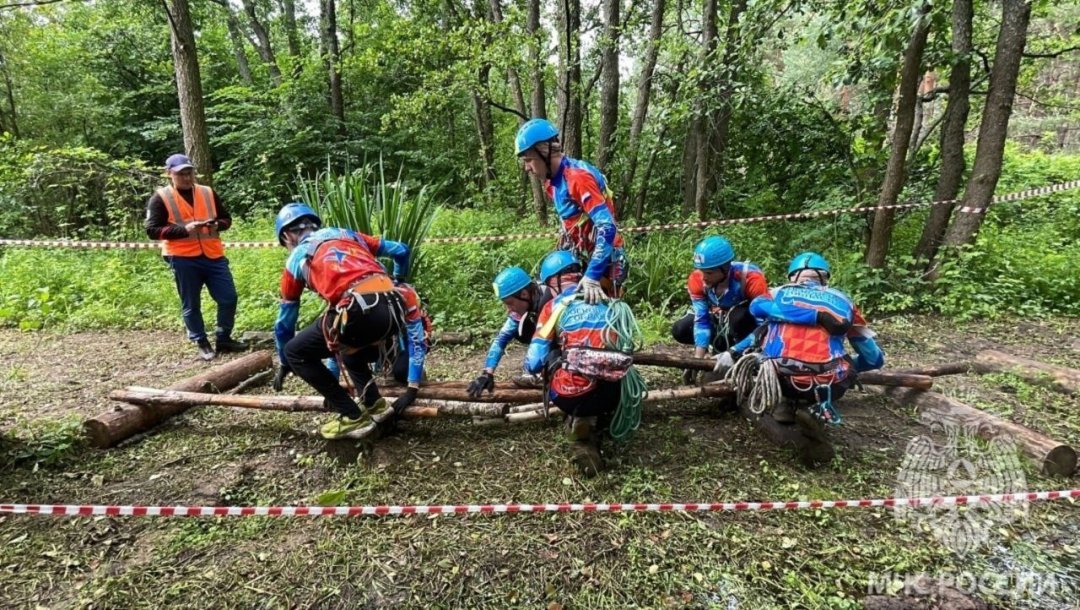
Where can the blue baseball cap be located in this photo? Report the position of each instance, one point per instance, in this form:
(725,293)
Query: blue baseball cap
(178,162)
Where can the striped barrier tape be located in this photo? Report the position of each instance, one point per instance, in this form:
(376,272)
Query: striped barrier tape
(90,510)
(1017,196)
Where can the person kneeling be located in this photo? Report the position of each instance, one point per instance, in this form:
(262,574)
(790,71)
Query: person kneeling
(572,346)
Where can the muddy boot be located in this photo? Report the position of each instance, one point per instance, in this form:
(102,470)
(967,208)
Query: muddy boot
(784,412)
(817,451)
(585,448)
(527,381)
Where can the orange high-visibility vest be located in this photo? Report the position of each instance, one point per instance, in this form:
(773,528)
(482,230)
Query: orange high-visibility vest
(205,240)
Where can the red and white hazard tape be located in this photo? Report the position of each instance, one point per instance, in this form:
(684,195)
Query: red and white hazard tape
(1017,196)
(89,510)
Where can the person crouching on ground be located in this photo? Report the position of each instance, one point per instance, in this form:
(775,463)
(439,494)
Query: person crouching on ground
(364,315)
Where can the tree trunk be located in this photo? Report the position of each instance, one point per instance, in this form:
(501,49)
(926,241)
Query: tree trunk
(10,94)
(895,173)
(995,123)
(485,130)
(116,425)
(689,160)
(713,141)
(189,89)
(539,97)
(569,98)
(236,38)
(331,55)
(700,133)
(292,33)
(641,105)
(609,87)
(952,133)
(1053,457)
(643,192)
(262,36)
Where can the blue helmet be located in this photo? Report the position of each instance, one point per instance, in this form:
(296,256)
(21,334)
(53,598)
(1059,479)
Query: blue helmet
(556,263)
(713,251)
(290,214)
(510,281)
(533,132)
(808,260)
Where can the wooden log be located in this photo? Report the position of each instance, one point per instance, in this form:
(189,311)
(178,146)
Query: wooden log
(263,339)
(150,397)
(712,390)
(123,422)
(509,395)
(1061,378)
(885,378)
(1055,458)
(451,338)
(896,380)
(952,368)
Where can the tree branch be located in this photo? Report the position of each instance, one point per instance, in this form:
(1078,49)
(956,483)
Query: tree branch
(1052,55)
(35,3)
(512,111)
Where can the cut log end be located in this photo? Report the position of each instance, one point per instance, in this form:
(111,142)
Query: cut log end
(1060,461)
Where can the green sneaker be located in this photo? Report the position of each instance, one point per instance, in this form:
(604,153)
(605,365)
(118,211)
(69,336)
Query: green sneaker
(345,427)
(380,411)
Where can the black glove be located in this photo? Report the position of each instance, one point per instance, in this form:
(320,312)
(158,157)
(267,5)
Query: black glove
(405,400)
(279,379)
(486,381)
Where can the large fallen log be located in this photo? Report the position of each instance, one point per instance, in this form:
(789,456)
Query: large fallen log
(150,397)
(1061,378)
(712,390)
(123,422)
(1055,458)
(460,394)
(264,339)
(952,368)
(883,378)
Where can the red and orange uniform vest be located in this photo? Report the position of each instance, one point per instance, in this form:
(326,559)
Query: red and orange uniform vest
(204,241)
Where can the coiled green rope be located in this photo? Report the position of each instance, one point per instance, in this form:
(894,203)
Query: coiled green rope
(623,334)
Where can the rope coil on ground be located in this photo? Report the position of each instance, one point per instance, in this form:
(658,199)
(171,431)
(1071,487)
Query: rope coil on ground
(91,510)
(1010,197)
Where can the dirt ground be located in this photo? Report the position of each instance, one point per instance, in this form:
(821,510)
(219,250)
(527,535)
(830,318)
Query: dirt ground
(685,452)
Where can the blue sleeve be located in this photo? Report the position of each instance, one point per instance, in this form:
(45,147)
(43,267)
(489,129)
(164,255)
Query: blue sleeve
(775,310)
(285,326)
(399,253)
(537,354)
(417,347)
(702,323)
(868,356)
(605,243)
(498,346)
(744,345)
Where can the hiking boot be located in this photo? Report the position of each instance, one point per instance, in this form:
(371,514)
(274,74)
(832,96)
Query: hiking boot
(784,413)
(527,381)
(380,411)
(586,456)
(227,345)
(817,450)
(206,351)
(347,427)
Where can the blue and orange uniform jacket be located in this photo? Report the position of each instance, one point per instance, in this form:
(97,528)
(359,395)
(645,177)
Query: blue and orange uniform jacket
(587,211)
(329,261)
(567,322)
(417,330)
(746,282)
(794,331)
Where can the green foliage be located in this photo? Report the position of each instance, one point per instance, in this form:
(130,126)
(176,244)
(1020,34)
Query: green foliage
(43,442)
(364,201)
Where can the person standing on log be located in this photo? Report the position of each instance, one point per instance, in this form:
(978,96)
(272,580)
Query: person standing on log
(568,322)
(365,314)
(188,218)
(720,294)
(583,203)
(523,299)
(805,325)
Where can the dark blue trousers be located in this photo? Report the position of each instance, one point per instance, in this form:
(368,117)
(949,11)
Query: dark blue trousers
(191,274)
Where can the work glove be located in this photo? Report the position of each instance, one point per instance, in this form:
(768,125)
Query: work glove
(689,377)
(486,381)
(724,361)
(591,290)
(405,400)
(279,378)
